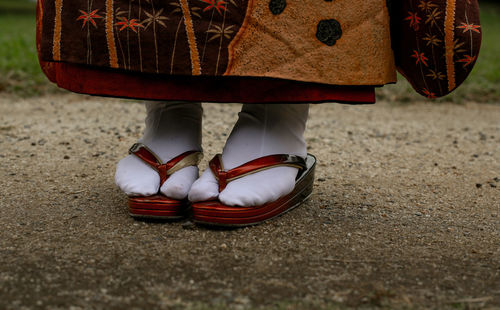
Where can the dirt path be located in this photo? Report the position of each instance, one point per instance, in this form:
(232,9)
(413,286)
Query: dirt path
(406,212)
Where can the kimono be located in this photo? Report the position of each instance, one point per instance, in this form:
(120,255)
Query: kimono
(245,51)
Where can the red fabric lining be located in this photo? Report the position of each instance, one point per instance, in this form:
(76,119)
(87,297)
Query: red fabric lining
(95,81)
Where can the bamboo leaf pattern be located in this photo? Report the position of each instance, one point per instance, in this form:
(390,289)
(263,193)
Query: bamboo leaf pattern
(128,24)
(219,5)
(432,40)
(118,15)
(195,11)
(177,10)
(155,18)
(433,17)
(218,31)
(89,17)
(439,52)
(426,6)
(155,36)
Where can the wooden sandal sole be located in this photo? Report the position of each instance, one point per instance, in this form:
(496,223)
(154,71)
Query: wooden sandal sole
(214,213)
(157,207)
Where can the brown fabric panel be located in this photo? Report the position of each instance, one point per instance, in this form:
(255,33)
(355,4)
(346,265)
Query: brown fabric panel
(79,42)
(212,42)
(157,39)
(420,39)
(181,63)
(127,38)
(468,13)
(47,29)
(150,36)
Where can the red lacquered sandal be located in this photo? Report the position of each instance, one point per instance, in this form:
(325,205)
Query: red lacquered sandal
(217,214)
(159,206)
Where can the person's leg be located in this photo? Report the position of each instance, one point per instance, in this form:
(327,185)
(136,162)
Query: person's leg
(172,128)
(261,130)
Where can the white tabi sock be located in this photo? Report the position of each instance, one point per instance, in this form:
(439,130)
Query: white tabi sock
(172,128)
(261,130)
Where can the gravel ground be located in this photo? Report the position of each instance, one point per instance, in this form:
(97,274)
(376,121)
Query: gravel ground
(405,213)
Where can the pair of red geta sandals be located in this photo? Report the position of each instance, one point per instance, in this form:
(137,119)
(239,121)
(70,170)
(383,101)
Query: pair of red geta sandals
(214,212)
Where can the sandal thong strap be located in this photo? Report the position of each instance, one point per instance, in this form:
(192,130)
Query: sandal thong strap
(254,166)
(186,159)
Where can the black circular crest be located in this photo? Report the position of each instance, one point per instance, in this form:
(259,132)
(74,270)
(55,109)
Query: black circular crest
(277,6)
(329,31)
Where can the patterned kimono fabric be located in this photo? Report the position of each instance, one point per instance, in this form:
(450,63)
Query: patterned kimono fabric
(436,43)
(218,50)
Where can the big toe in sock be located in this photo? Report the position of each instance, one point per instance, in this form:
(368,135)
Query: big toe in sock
(136,178)
(261,130)
(205,188)
(178,184)
(259,188)
(172,128)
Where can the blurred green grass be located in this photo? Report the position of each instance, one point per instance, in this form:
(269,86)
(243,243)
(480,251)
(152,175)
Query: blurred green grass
(17,6)
(20,74)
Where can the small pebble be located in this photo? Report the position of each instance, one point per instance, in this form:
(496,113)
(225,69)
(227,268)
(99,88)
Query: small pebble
(188,225)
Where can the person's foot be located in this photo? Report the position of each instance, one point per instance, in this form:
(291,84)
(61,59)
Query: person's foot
(261,130)
(172,128)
